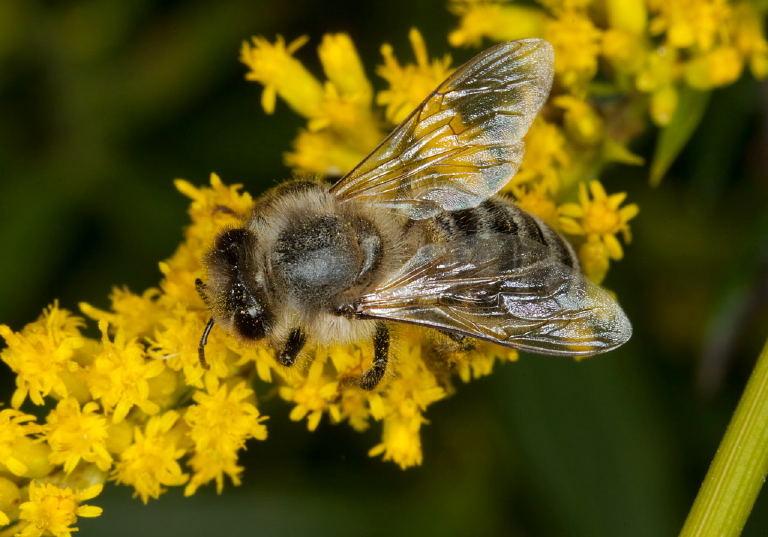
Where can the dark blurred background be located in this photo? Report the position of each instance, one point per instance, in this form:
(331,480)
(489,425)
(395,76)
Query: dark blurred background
(103,104)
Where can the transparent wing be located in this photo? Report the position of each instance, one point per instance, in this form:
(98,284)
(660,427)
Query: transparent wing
(504,289)
(463,143)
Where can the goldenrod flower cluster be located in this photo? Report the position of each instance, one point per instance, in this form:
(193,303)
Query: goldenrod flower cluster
(654,47)
(135,407)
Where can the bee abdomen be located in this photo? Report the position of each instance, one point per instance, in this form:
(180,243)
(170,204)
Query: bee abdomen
(497,215)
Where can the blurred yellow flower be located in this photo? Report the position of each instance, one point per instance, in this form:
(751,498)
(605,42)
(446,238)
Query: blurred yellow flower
(546,155)
(499,21)
(312,395)
(14,426)
(74,434)
(41,352)
(120,373)
(151,463)
(135,314)
(344,68)
(273,66)
(749,37)
(716,67)
(52,509)
(581,121)
(689,23)
(577,44)
(412,83)
(10,499)
(599,219)
(401,442)
(402,405)
(220,422)
(322,153)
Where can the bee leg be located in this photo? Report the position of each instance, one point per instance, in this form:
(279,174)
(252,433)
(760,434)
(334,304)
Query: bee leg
(296,341)
(460,343)
(372,376)
(202,290)
(226,210)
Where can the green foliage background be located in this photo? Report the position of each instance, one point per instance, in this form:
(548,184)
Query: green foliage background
(103,103)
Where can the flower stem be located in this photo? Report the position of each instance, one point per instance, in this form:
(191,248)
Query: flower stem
(739,468)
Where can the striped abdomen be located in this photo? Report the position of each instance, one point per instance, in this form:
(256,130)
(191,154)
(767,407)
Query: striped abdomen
(500,215)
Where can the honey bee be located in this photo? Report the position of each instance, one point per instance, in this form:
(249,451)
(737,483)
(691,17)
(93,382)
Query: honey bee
(417,233)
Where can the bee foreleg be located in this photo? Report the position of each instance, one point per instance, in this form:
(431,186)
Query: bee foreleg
(202,290)
(372,376)
(296,341)
(226,210)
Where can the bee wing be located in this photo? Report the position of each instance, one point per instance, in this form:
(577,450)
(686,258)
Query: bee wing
(504,289)
(463,143)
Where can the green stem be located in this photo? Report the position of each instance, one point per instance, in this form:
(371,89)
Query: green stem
(740,465)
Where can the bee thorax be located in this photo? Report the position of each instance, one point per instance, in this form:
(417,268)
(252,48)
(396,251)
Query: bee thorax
(322,256)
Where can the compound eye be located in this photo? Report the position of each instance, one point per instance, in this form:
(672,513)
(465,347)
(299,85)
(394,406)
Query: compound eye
(248,316)
(229,245)
(248,325)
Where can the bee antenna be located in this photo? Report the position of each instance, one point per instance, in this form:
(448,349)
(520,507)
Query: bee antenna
(203,343)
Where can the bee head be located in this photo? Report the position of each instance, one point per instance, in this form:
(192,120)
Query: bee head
(233,294)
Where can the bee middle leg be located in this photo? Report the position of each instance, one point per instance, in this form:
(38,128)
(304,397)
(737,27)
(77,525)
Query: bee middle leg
(449,349)
(373,375)
(457,342)
(293,345)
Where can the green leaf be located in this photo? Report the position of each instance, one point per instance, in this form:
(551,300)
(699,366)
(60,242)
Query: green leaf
(739,468)
(673,137)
